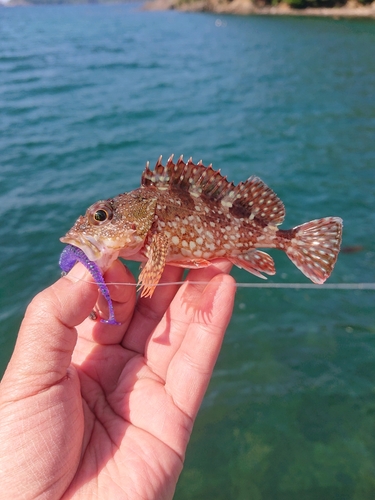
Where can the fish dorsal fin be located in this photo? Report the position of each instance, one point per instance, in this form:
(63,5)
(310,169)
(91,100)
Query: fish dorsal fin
(254,199)
(191,177)
(249,199)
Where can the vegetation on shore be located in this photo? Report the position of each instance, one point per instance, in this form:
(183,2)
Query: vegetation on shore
(296,4)
(302,4)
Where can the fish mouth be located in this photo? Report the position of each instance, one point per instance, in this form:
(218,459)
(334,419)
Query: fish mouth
(91,247)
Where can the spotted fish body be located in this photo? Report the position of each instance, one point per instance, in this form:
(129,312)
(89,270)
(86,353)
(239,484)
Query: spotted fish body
(188,215)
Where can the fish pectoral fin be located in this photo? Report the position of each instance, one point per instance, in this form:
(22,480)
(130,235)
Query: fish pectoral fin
(255,262)
(154,267)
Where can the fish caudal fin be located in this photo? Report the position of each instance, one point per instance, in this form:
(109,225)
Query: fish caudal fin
(314,247)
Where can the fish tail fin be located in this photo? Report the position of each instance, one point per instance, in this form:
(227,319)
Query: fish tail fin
(314,247)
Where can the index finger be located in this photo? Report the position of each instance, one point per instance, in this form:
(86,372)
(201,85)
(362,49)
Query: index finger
(148,312)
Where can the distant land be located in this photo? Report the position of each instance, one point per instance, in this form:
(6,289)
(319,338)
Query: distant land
(323,8)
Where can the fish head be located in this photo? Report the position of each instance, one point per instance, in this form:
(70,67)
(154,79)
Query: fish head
(112,226)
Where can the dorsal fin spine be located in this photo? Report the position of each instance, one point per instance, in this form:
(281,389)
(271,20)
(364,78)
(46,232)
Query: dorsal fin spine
(170,161)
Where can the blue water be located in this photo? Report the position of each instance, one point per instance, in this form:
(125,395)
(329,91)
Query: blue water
(88,94)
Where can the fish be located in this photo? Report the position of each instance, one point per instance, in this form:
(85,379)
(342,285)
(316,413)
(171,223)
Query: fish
(186,214)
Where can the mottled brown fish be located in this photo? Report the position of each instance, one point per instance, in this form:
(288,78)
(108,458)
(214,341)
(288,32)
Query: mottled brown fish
(188,215)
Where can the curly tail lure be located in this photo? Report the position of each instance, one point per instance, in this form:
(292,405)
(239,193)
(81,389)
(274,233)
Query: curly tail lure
(69,257)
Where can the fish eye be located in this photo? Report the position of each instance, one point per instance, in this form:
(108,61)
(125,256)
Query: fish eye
(100,213)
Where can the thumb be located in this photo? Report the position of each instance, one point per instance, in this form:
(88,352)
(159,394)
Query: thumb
(47,336)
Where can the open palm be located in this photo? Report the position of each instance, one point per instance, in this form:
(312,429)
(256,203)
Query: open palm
(103,411)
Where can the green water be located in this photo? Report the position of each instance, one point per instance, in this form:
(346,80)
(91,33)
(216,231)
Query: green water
(89,93)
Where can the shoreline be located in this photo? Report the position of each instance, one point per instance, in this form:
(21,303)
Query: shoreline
(245,7)
(351,10)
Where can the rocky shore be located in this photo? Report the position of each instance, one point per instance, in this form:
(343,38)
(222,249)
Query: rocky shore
(352,9)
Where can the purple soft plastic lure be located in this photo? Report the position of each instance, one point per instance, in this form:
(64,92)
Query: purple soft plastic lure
(69,256)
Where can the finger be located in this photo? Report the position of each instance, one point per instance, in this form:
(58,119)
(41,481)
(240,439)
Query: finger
(123,296)
(98,352)
(197,279)
(168,336)
(47,335)
(148,312)
(191,368)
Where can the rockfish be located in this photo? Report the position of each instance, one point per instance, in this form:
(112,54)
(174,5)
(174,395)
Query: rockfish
(188,215)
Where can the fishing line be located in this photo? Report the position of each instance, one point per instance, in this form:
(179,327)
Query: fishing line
(309,286)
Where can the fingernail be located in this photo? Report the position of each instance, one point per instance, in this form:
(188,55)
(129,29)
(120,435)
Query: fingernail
(78,272)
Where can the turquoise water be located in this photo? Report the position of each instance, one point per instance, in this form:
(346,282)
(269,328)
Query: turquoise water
(89,93)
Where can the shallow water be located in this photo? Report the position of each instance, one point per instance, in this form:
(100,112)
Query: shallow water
(89,93)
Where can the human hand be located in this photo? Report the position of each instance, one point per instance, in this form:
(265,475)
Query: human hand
(103,411)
